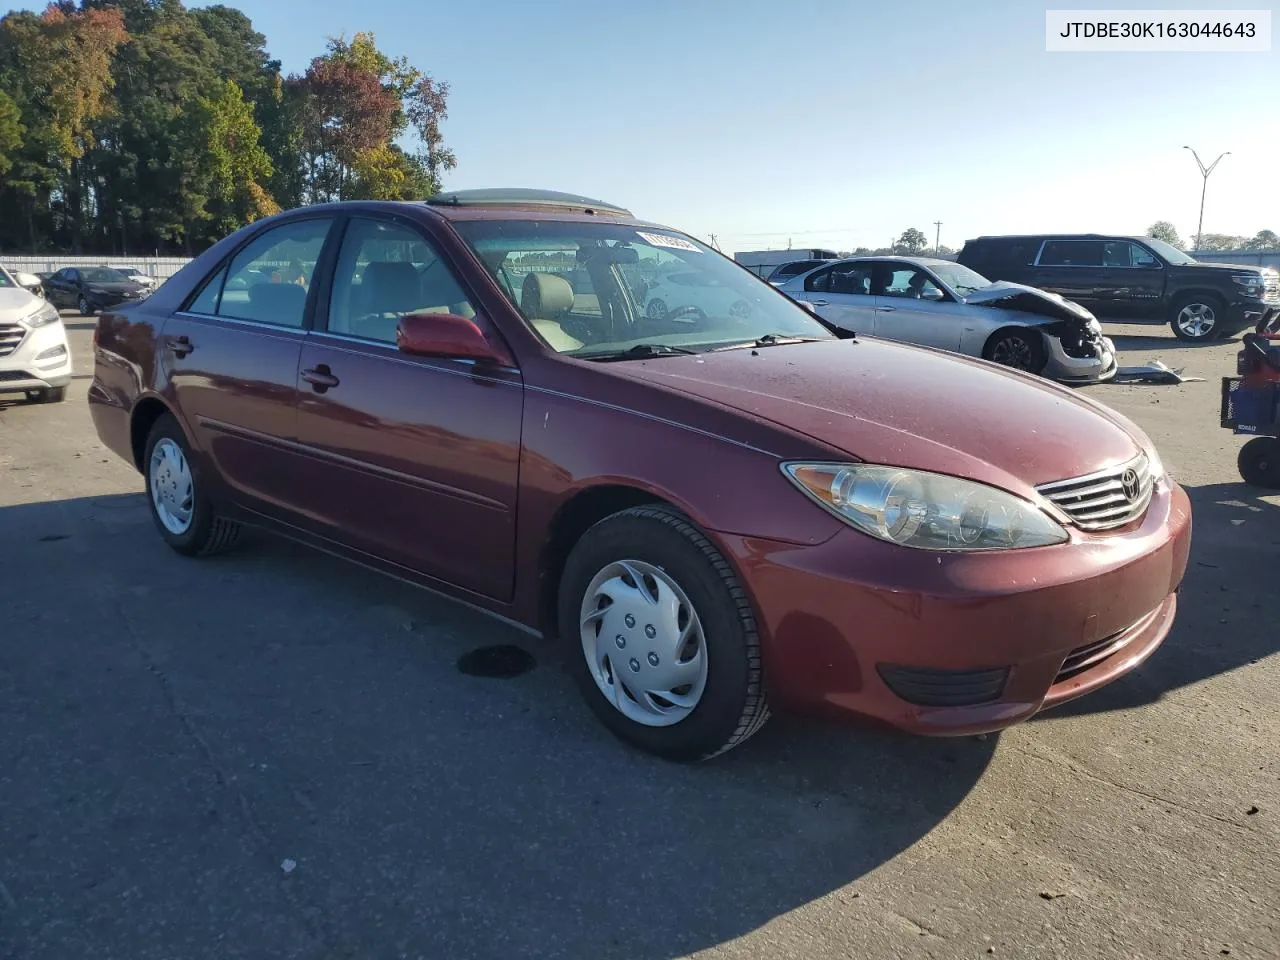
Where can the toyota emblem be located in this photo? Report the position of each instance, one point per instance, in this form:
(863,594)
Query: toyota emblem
(1129,484)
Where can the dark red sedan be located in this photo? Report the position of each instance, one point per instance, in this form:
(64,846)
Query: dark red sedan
(721,506)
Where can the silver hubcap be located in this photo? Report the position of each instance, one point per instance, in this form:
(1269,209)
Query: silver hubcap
(644,643)
(656,309)
(1196,319)
(1012,352)
(172,490)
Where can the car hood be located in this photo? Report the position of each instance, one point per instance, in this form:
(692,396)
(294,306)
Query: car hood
(16,302)
(908,406)
(1019,296)
(1232,267)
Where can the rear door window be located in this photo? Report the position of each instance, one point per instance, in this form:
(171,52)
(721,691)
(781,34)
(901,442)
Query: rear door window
(1072,253)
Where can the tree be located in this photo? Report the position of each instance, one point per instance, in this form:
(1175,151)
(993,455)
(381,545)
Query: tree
(11,131)
(1221,241)
(1263,240)
(911,243)
(233,163)
(1164,230)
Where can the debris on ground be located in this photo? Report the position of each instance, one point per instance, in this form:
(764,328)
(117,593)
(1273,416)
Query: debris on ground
(1154,372)
(288,865)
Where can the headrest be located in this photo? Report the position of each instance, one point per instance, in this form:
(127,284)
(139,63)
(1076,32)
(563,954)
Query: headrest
(545,296)
(392,285)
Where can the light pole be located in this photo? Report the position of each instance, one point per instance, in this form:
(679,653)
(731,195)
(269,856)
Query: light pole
(1204,173)
(937,237)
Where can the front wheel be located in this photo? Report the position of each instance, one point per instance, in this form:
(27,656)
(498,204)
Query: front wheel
(179,505)
(85,308)
(1019,349)
(664,646)
(1259,462)
(1197,319)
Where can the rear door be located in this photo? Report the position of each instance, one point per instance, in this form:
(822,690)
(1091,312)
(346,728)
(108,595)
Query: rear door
(842,295)
(912,308)
(1074,269)
(231,356)
(411,459)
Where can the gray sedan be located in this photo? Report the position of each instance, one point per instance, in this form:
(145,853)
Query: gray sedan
(938,303)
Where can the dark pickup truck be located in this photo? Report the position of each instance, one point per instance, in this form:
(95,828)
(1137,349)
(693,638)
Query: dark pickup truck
(1134,280)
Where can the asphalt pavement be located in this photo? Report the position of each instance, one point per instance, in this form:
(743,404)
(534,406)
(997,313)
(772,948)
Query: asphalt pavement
(274,754)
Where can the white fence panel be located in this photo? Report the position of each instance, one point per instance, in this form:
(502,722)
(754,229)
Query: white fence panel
(162,268)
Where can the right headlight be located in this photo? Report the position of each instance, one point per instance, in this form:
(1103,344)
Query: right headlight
(46,313)
(927,511)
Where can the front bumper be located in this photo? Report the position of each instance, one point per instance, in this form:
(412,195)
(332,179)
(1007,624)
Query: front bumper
(1068,369)
(953,644)
(41,360)
(1250,315)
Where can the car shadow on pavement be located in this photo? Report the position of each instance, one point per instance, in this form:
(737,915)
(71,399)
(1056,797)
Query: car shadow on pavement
(1156,344)
(272,751)
(1228,608)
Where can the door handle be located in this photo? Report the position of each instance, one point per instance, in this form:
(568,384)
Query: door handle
(886,309)
(320,378)
(180,346)
(820,303)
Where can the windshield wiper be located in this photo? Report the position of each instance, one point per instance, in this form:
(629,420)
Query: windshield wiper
(774,340)
(640,351)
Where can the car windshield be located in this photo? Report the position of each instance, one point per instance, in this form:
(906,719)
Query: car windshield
(601,289)
(960,278)
(1168,251)
(102,275)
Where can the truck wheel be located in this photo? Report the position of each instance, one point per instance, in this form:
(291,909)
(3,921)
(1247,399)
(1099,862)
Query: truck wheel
(1259,462)
(1196,318)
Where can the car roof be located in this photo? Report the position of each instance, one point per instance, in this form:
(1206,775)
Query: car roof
(884,258)
(1060,236)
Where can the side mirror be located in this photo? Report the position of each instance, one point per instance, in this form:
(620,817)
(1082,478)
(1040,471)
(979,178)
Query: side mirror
(808,306)
(27,279)
(447,335)
(931,293)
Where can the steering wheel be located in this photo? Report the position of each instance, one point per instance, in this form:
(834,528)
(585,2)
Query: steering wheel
(688,310)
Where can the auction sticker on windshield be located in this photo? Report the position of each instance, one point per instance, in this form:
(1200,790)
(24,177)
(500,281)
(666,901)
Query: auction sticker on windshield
(661,240)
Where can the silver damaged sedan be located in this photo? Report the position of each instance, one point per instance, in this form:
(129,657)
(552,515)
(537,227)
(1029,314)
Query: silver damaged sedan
(938,303)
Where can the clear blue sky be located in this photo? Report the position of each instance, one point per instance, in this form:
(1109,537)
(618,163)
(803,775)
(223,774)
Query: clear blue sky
(835,122)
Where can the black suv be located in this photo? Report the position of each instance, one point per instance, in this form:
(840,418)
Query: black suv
(1134,280)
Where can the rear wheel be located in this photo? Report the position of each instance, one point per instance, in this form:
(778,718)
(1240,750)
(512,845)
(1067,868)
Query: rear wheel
(1019,349)
(85,308)
(663,643)
(656,309)
(1197,318)
(181,509)
(1259,462)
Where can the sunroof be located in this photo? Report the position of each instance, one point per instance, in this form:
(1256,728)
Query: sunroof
(524,197)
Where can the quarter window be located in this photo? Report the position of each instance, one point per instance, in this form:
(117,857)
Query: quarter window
(386,270)
(206,301)
(268,280)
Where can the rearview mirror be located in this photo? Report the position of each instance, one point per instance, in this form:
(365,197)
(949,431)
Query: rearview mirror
(448,335)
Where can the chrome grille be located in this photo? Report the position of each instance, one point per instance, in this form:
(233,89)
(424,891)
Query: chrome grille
(1271,284)
(10,336)
(1104,500)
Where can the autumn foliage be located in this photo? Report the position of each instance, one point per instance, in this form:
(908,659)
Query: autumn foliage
(143,126)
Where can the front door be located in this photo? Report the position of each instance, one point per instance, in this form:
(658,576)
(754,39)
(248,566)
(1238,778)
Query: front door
(912,308)
(411,459)
(231,356)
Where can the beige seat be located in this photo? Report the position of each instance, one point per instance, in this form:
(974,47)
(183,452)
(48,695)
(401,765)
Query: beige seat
(545,299)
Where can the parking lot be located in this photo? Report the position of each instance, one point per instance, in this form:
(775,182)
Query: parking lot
(274,754)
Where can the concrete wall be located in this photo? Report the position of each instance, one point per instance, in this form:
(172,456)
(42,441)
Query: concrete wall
(1253,258)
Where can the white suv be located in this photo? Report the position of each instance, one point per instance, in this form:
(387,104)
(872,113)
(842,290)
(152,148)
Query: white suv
(35,357)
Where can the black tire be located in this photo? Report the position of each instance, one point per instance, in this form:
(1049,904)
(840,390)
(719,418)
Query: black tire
(1017,348)
(733,706)
(1259,463)
(47,395)
(208,533)
(85,307)
(1209,307)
